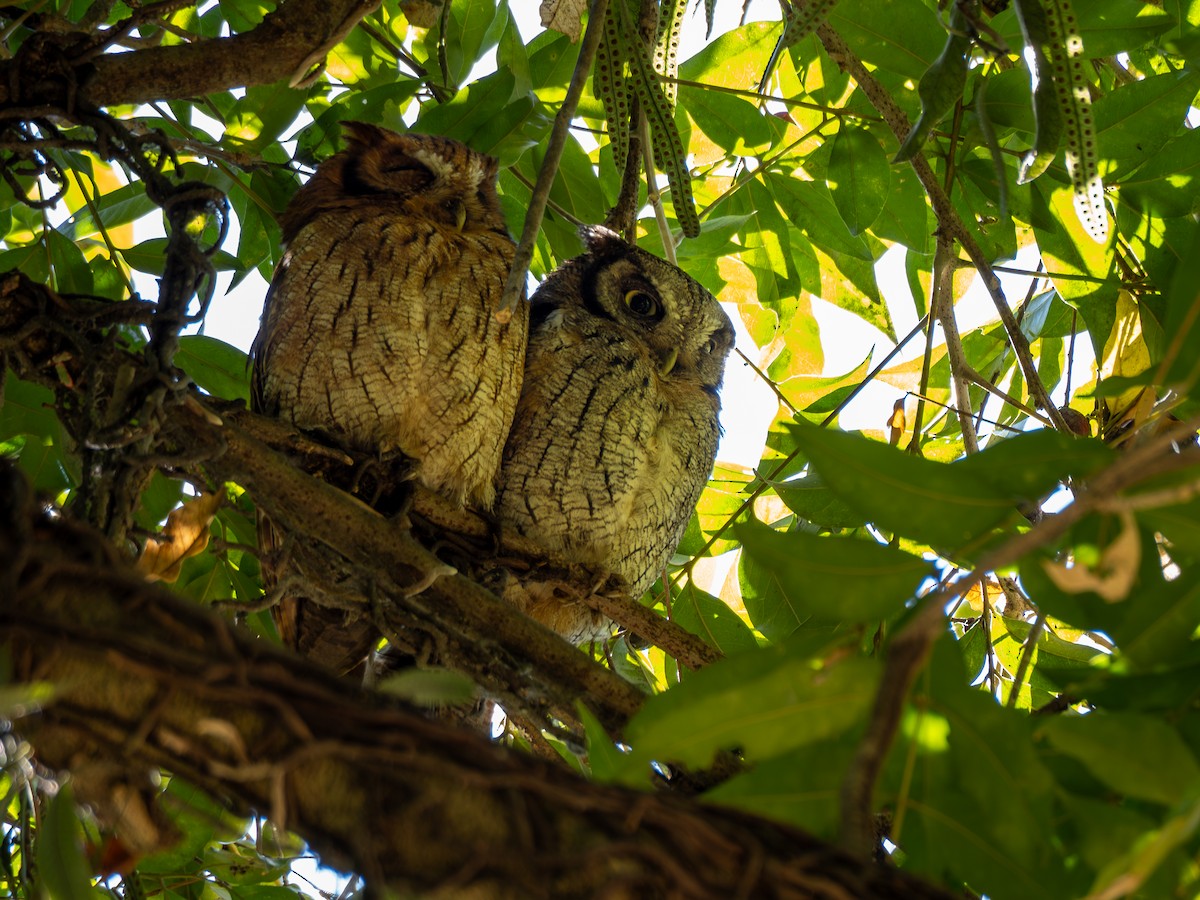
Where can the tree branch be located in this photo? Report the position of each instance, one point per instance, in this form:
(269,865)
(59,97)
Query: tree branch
(284,41)
(146,680)
(514,287)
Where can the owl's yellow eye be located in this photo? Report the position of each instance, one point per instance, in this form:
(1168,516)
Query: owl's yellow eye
(642,304)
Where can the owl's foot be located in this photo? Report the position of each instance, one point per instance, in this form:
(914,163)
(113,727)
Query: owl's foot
(382,482)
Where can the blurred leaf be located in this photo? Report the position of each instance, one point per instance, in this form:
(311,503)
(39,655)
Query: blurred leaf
(432,687)
(763,702)
(802,787)
(60,861)
(1138,755)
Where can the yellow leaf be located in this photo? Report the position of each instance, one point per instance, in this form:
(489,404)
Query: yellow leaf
(184,535)
(1126,356)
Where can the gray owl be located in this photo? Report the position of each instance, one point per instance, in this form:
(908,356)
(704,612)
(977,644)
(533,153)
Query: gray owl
(616,429)
(379,331)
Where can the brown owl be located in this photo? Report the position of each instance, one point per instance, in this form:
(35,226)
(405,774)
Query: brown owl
(379,331)
(616,429)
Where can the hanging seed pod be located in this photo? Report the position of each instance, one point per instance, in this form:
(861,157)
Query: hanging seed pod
(664,138)
(612,87)
(1047,119)
(666,46)
(1075,106)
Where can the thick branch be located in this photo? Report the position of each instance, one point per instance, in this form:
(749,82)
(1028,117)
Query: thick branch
(480,624)
(146,680)
(282,44)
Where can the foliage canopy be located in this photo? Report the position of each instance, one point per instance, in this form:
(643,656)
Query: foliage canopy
(970,627)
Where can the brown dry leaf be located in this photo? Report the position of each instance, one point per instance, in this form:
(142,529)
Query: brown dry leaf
(565,16)
(1113,578)
(184,535)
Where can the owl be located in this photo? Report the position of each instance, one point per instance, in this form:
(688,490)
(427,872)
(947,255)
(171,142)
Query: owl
(379,331)
(616,429)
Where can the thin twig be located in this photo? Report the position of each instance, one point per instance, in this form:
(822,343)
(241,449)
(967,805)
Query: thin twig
(654,192)
(514,288)
(914,445)
(942,305)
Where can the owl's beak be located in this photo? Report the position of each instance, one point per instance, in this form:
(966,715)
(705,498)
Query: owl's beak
(668,362)
(460,216)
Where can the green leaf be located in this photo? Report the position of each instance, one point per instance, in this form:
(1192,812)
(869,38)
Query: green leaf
(763,703)
(119,207)
(1134,122)
(433,687)
(710,618)
(262,115)
(60,861)
(30,431)
(827,580)
(1089,279)
(1182,354)
(944,505)
(1108,28)
(1169,183)
(802,787)
(1140,756)
(811,499)
(605,760)
(736,58)
(733,124)
(977,786)
(902,37)
(483,117)
(1027,465)
(859,178)
(473,28)
(219,368)
(809,206)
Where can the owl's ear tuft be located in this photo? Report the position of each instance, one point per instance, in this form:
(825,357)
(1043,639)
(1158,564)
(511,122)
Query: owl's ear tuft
(364,133)
(603,241)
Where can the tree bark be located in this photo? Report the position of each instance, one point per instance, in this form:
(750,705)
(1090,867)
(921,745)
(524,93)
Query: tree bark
(286,43)
(144,680)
